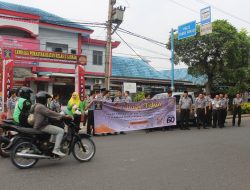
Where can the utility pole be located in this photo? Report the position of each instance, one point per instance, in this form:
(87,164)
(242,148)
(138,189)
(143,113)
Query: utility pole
(108,45)
(115,15)
(172,59)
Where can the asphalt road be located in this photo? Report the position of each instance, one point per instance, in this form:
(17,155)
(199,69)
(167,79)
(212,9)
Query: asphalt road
(213,159)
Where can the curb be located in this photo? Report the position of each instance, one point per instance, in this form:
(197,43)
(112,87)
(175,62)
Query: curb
(242,116)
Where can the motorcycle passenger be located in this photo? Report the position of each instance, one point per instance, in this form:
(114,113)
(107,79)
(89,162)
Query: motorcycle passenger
(42,116)
(22,107)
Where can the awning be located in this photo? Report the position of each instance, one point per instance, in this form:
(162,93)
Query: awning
(56,74)
(39,79)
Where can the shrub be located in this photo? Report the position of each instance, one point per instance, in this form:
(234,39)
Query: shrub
(245,108)
(138,97)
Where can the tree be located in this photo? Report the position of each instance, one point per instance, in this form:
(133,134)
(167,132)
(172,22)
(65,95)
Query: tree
(213,54)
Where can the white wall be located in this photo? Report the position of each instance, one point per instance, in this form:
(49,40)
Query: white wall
(56,36)
(33,27)
(60,37)
(88,51)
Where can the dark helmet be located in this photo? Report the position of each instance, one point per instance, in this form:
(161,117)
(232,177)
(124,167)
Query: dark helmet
(42,97)
(25,92)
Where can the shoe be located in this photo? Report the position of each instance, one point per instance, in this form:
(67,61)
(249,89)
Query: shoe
(187,128)
(58,153)
(122,133)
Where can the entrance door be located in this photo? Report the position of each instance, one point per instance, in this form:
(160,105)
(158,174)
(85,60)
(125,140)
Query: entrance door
(64,92)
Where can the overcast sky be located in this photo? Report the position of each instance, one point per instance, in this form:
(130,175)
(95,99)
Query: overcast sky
(151,18)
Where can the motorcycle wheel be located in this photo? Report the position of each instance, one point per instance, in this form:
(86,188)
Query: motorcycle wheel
(80,154)
(4,142)
(20,162)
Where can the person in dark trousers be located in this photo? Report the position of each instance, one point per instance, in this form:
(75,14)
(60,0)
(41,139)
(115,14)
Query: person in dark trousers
(90,107)
(200,110)
(216,111)
(209,110)
(185,110)
(237,102)
(223,110)
(226,107)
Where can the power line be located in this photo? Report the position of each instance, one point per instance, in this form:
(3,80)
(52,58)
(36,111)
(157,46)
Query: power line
(142,37)
(183,6)
(130,47)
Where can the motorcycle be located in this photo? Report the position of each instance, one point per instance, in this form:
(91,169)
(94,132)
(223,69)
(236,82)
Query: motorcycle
(31,145)
(7,135)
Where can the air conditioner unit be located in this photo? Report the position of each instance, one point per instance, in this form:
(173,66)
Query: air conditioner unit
(98,81)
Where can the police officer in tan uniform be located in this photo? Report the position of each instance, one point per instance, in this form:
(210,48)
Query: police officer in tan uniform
(200,110)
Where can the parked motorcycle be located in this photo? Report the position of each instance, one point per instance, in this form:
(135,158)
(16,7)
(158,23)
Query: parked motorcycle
(32,145)
(7,135)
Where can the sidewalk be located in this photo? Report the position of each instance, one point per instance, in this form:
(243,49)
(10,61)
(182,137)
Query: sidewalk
(242,116)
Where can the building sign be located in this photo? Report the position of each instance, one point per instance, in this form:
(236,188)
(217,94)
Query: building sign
(45,56)
(80,81)
(205,15)
(82,60)
(131,87)
(11,42)
(7,65)
(206,29)
(206,25)
(187,30)
(115,117)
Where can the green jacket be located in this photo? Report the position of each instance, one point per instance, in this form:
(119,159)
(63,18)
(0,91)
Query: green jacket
(21,111)
(81,107)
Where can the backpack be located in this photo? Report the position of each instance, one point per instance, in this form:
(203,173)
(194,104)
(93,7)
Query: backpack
(31,117)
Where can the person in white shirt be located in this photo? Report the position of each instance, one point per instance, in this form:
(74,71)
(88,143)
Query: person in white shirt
(237,102)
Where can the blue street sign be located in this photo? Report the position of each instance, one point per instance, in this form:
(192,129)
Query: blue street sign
(205,15)
(187,30)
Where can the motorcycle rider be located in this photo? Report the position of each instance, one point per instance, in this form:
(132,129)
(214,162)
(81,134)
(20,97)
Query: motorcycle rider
(23,106)
(42,116)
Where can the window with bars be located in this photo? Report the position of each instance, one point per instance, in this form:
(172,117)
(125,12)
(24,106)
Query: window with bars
(97,57)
